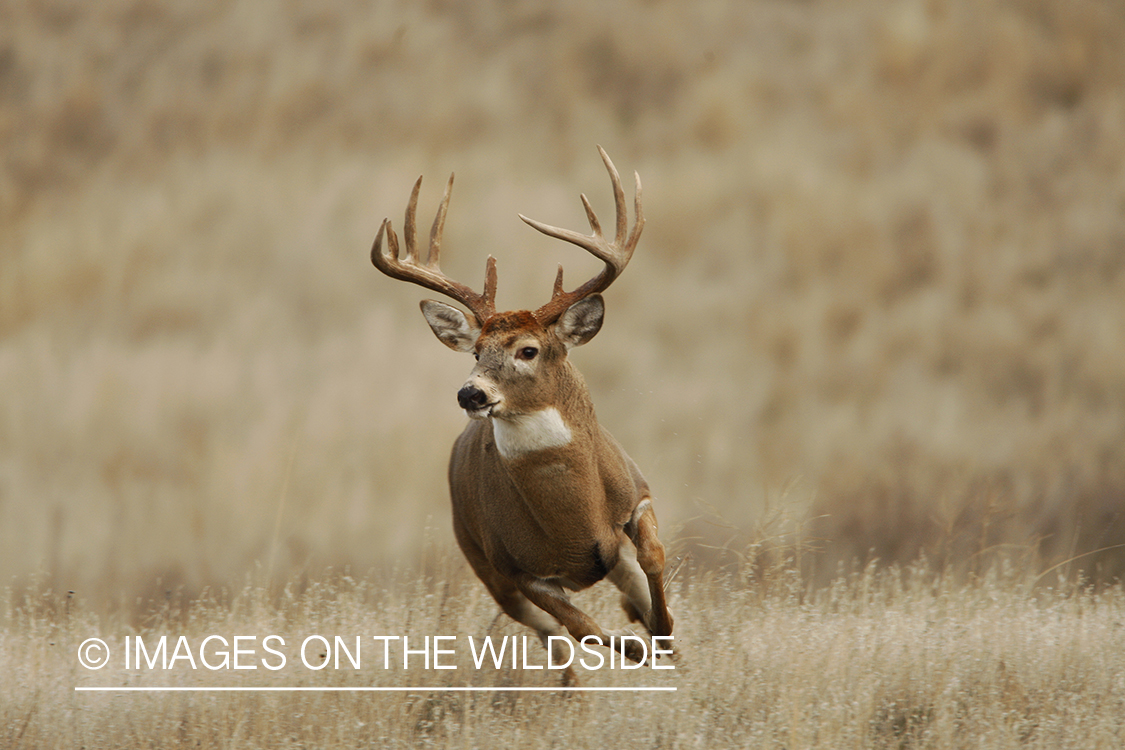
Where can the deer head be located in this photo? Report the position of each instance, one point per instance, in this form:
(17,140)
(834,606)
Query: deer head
(520,352)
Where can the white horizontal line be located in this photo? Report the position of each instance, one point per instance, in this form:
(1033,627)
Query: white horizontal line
(368,689)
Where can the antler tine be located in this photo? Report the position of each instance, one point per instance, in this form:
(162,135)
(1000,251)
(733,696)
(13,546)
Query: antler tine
(409,229)
(615,255)
(489,294)
(618,199)
(429,275)
(439,226)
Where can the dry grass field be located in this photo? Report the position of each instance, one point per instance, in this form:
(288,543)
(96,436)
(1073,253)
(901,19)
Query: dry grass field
(870,355)
(891,659)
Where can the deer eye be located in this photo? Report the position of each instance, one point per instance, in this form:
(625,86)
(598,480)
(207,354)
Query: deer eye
(528,352)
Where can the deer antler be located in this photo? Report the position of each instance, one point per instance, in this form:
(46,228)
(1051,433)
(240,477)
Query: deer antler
(429,275)
(614,254)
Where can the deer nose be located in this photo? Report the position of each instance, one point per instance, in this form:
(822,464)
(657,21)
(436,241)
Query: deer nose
(471,397)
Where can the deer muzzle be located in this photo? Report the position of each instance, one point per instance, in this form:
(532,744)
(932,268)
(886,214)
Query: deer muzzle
(473,400)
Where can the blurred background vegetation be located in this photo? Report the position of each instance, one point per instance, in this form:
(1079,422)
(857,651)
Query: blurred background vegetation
(878,310)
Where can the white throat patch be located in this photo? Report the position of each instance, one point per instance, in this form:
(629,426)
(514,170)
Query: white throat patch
(528,433)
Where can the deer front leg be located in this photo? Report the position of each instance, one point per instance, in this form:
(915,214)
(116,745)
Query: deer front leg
(632,582)
(552,599)
(649,605)
(519,608)
(513,602)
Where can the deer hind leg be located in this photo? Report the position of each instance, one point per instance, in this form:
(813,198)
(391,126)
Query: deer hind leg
(553,600)
(649,559)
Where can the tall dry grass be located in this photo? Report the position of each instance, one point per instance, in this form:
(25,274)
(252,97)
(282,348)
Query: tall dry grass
(899,658)
(880,284)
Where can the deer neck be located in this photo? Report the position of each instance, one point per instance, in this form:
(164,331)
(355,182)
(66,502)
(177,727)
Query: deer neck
(566,425)
(551,454)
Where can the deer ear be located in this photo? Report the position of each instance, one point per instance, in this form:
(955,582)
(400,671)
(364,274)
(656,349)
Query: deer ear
(450,326)
(581,321)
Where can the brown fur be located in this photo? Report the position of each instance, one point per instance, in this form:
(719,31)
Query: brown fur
(555,519)
(560,506)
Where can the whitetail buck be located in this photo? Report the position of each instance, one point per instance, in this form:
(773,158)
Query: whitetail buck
(544,499)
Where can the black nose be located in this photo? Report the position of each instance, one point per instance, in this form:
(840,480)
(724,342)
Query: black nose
(471,397)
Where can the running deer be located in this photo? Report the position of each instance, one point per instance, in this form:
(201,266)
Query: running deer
(544,499)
